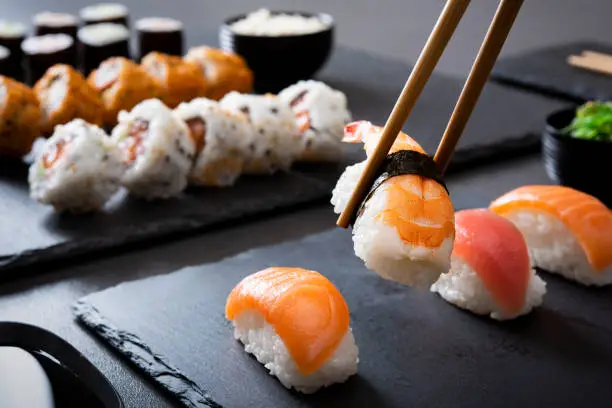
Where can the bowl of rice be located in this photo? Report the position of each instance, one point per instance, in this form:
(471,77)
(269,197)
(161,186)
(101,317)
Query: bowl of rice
(281,47)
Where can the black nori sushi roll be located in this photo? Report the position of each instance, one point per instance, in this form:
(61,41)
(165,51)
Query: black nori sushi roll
(42,52)
(105,13)
(5,61)
(48,22)
(163,35)
(11,37)
(99,42)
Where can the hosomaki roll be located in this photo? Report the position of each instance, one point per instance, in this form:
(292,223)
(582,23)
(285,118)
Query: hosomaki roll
(568,232)
(321,114)
(99,42)
(42,52)
(77,170)
(276,141)
(163,35)
(491,273)
(156,146)
(404,229)
(224,71)
(105,13)
(121,84)
(222,141)
(179,80)
(5,62)
(297,324)
(20,118)
(12,35)
(64,95)
(48,22)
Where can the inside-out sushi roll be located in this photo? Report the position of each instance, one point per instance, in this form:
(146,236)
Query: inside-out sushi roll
(224,71)
(156,146)
(48,22)
(163,35)
(12,35)
(179,80)
(121,84)
(568,232)
(77,170)
(20,118)
(490,272)
(276,142)
(221,138)
(321,113)
(99,42)
(404,230)
(105,13)
(64,95)
(42,52)
(297,324)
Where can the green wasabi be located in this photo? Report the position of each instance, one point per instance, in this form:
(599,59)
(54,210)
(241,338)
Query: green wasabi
(593,121)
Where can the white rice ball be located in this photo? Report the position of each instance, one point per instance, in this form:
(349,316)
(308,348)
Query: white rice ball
(83,168)
(260,339)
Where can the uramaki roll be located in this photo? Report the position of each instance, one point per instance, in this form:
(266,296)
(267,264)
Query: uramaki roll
(20,117)
(179,80)
(121,84)
(224,71)
(49,22)
(64,95)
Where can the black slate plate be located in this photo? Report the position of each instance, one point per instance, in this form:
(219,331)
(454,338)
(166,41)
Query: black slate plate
(415,349)
(546,71)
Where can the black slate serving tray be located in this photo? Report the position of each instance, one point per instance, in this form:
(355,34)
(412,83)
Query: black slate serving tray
(546,71)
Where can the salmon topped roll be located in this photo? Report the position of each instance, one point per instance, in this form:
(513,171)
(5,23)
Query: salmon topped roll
(64,95)
(568,232)
(20,118)
(404,230)
(224,71)
(297,324)
(121,84)
(179,80)
(490,272)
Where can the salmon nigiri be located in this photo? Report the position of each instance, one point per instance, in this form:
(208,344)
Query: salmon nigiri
(405,229)
(568,232)
(490,273)
(296,323)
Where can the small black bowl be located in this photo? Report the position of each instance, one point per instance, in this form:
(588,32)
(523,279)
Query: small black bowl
(280,61)
(580,164)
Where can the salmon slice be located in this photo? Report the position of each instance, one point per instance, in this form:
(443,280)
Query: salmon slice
(585,216)
(305,309)
(496,250)
(365,132)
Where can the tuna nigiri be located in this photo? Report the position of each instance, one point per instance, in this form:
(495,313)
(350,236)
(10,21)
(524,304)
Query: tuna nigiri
(405,230)
(296,323)
(490,273)
(568,232)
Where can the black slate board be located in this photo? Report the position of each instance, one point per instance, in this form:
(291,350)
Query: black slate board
(415,349)
(546,71)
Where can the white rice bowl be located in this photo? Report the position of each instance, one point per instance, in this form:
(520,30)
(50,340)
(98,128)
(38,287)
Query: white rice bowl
(260,339)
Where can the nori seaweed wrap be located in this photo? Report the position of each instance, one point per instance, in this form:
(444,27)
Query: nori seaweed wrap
(163,35)
(11,36)
(20,118)
(49,22)
(42,52)
(99,42)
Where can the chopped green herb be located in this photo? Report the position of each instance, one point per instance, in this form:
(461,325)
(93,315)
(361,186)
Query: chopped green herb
(593,121)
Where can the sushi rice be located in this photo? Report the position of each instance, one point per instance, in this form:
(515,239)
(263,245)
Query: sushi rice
(77,170)
(157,148)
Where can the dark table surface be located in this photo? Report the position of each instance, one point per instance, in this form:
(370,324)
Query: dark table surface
(389,27)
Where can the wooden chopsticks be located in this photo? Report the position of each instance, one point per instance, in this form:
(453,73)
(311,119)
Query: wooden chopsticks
(592,61)
(438,39)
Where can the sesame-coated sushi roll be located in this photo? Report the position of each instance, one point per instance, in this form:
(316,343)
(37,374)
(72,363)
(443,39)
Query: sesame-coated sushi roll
(276,142)
(221,139)
(224,71)
(42,52)
(20,118)
(156,146)
(179,80)
(48,22)
(121,84)
(99,42)
(105,13)
(163,35)
(322,114)
(12,35)
(64,95)
(77,170)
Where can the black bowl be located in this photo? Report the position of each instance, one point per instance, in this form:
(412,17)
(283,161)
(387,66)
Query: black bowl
(580,164)
(278,62)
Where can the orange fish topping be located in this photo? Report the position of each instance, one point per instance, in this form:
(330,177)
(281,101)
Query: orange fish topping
(51,157)
(365,132)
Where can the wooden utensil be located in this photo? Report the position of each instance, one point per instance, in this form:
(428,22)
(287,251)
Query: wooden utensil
(592,61)
(438,39)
